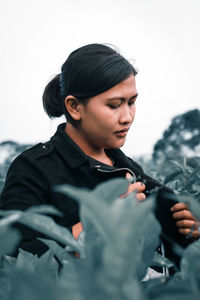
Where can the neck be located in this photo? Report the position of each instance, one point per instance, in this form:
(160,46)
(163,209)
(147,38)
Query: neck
(94,152)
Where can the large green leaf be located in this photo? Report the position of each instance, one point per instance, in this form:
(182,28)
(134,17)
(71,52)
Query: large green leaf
(27,285)
(94,207)
(190,263)
(135,229)
(45,209)
(111,189)
(26,260)
(47,226)
(10,217)
(57,250)
(117,230)
(47,264)
(10,238)
(161,261)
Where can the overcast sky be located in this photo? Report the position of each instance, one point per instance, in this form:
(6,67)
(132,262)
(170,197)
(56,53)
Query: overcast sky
(161,36)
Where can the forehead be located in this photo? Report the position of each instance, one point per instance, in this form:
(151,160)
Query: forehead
(125,89)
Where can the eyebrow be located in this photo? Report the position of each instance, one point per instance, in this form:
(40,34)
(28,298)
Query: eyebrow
(122,98)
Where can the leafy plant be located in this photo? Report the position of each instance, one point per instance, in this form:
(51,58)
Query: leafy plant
(116,249)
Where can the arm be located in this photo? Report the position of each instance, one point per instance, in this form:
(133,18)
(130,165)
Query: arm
(25,186)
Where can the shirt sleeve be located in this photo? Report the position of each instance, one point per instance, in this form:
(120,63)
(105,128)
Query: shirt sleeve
(25,186)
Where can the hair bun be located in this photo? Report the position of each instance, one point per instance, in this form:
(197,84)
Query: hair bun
(52,99)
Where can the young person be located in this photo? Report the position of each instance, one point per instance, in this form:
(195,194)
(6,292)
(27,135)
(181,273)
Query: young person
(96,91)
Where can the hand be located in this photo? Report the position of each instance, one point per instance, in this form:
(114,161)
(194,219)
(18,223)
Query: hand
(185,221)
(139,187)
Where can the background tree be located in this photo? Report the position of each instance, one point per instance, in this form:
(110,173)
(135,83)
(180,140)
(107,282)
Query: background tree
(182,138)
(9,150)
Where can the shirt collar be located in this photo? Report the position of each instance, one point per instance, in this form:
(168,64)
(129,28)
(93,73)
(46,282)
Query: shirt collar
(69,150)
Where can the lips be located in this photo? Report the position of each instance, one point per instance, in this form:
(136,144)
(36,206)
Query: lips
(122,133)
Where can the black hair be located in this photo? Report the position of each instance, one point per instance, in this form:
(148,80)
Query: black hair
(87,72)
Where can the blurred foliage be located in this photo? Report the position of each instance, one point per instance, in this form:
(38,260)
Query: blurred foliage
(180,139)
(8,151)
(183,175)
(115,249)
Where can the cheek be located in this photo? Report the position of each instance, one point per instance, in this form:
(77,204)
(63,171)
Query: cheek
(104,124)
(104,118)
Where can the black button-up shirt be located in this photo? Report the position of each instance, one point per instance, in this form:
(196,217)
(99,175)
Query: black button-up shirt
(32,175)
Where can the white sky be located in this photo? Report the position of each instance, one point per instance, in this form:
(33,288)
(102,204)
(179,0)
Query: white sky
(162,36)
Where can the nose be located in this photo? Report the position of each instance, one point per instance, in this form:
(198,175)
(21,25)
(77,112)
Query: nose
(127,115)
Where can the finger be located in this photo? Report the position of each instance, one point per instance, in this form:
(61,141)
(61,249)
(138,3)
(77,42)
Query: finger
(179,206)
(140,196)
(185,224)
(138,186)
(185,231)
(77,229)
(128,175)
(130,178)
(183,214)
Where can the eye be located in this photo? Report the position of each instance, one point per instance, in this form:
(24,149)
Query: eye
(131,103)
(113,106)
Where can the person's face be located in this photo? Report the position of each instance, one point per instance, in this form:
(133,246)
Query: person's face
(107,117)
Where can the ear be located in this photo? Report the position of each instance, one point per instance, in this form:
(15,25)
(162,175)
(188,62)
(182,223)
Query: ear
(73,107)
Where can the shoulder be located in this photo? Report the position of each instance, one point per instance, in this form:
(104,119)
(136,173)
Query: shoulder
(39,150)
(31,157)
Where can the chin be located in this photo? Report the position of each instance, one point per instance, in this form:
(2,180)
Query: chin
(115,146)
(120,144)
